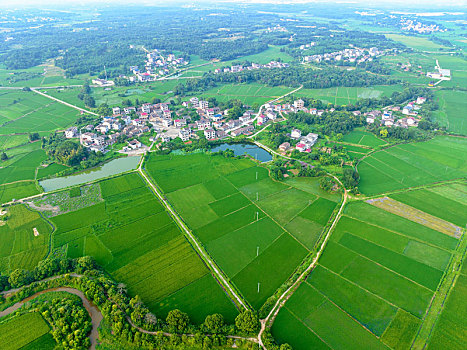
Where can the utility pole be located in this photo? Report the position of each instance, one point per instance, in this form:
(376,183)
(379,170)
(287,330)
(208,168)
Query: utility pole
(258,287)
(105,73)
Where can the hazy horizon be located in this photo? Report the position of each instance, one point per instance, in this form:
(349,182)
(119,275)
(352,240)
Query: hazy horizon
(369,3)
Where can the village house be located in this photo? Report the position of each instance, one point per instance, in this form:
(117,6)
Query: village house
(203,124)
(167,122)
(210,134)
(299,104)
(129,110)
(116,110)
(261,119)
(184,134)
(134,144)
(284,147)
(245,118)
(179,123)
(71,132)
(296,134)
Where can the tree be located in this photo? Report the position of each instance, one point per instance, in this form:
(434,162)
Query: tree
(4,156)
(177,321)
(326,183)
(20,277)
(350,178)
(235,112)
(214,323)
(34,136)
(89,101)
(383,133)
(247,321)
(285,347)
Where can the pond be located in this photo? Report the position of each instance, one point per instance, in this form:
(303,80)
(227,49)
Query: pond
(113,167)
(242,148)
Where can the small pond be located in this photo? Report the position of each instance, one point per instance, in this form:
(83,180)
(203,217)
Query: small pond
(242,148)
(113,167)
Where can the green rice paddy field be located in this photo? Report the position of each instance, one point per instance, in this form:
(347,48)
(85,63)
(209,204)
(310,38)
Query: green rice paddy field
(363,138)
(451,113)
(19,247)
(247,93)
(347,95)
(374,283)
(413,164)
(256,229)
(451,329)
(27,331)
(23,112)
(416,42)
(135,240)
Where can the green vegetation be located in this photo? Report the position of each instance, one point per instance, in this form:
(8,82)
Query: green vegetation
(136,241)
(20,331)
(21,246)
(379,271)
(414,164)
(255,228)
(416,42)
(452,105)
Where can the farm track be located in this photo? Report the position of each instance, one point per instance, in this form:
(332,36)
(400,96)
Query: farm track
(196,245)
(63,102)
(289,292)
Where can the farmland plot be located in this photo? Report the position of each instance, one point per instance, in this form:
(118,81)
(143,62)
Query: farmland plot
(257,230)
(20,247)
(377,276)
(414,164)
(24,330)
(135,240)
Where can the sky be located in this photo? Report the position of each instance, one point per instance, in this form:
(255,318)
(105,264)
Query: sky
(45,3)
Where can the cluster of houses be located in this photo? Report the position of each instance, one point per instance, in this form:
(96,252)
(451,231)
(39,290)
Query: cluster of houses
(418,27)
(304,143)
(354,54)
(307,46)
(388,117)
(156,65)
(214,121)
(240,68)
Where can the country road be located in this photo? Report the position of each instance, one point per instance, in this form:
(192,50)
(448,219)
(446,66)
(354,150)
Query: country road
(63,102)
(289,292)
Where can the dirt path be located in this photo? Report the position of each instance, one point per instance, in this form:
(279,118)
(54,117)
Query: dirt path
(63,102)
(94,312)
(289,292)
